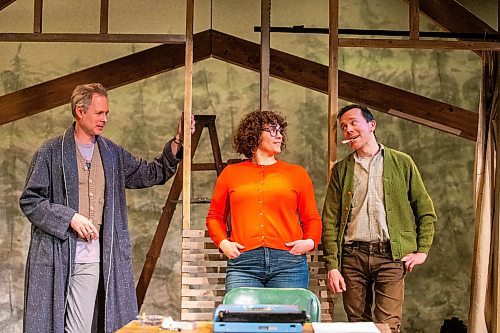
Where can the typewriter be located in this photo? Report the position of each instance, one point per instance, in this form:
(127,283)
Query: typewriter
(257,318)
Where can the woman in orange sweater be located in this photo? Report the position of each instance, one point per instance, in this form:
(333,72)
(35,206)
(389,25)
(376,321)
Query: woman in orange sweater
(274,220)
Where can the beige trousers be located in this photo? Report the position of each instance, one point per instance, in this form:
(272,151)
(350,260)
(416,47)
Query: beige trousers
(81,298)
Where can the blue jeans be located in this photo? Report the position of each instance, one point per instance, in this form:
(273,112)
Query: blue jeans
(266,267)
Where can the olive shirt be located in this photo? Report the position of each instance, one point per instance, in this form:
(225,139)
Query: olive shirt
(409,209)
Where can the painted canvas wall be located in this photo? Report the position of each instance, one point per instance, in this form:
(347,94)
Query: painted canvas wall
(144,114)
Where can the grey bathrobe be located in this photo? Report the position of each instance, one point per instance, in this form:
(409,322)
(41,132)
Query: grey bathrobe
(49,201)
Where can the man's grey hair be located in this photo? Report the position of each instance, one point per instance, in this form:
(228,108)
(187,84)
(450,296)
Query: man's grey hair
(82,95)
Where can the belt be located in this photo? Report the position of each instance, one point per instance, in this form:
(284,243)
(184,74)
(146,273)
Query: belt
(377,247)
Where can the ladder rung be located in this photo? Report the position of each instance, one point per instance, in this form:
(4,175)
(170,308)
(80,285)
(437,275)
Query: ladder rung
(195,201)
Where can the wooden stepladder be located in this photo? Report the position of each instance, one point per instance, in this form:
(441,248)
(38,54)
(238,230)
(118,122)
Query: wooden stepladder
(202,121)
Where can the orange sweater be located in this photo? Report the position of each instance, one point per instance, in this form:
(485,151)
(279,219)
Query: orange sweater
(269,206)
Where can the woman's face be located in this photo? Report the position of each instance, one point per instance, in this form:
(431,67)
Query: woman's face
(270,140)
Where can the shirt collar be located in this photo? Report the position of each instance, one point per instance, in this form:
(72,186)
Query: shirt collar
(380,152)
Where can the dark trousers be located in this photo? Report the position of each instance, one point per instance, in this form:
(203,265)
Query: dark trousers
(373,278)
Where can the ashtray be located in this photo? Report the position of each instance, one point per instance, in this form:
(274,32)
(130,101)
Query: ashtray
(150,320)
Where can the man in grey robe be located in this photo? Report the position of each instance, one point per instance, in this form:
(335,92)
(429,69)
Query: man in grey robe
(79,272)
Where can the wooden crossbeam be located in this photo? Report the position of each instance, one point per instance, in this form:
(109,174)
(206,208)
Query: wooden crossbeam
(385,98)
(92,38)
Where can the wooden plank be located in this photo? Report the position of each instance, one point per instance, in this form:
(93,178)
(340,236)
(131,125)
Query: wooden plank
(414,14)
(180,39)
(203,287)
(200,280)
(200,256)
(103,23)
(113,74)
(197,316)
(5,3)
(352,88)
(37,15)
(265,46)
(418,44)
(221,276)
(188,105)
(92,38)
(202,293)
(208,263)
(202,269)
(198,304)
(333,86)
(199,246)
(195,233)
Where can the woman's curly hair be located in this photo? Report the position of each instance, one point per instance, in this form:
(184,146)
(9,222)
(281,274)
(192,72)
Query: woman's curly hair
(247,136)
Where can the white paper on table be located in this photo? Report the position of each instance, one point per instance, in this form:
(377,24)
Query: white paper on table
(360,327)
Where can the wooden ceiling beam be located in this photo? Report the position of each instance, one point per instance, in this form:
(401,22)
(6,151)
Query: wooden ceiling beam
(312,75)
(419,44)
(112,74)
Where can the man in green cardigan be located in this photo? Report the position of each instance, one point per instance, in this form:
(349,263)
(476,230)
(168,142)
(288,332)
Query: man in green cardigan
(378,223)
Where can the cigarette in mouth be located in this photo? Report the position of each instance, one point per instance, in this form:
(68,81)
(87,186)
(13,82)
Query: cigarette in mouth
(346,141)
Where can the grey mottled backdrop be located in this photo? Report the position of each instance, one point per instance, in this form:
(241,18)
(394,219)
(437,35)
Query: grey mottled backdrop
(144,115)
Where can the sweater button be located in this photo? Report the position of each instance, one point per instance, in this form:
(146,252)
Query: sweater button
(349,193)
(346,209)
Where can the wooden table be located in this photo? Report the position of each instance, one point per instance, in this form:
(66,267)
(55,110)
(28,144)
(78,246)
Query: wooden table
(206,327)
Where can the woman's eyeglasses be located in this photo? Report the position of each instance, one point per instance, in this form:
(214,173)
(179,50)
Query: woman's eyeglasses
(273,130)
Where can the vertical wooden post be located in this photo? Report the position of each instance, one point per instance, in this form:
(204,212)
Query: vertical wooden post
(37,18)
(333,86)
(188,104)
(103,23)
(414,19)
(265,47)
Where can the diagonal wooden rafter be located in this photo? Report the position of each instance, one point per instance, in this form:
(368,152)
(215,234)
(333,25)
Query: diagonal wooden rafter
(452,16)
(352,88)
(5,3)
(141,65)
